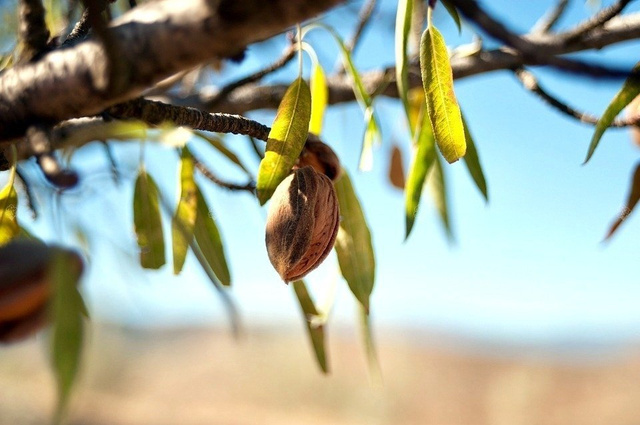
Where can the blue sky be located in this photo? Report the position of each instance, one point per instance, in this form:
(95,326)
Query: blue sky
(526,267)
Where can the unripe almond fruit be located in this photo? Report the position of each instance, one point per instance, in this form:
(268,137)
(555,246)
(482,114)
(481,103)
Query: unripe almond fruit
(321,157)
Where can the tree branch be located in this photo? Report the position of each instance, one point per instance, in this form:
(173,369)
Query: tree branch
(33,29)
(604,16)
(547,22)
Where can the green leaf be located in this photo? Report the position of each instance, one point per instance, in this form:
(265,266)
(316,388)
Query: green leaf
(220,147)
(632,201)
(9,228)
(370,346)
(472,161)
(148,222)
(437,80)
(208,239)
(286,139)
(319,99)
(630,89)
(315,331)
(184,218)
(353,244)
(453,12)
(67,310)
(422,162)
(438,186)
(403,26)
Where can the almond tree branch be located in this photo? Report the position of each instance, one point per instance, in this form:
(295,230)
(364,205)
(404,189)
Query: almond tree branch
(601,18)
(547,22)
(248,187)
(33,29)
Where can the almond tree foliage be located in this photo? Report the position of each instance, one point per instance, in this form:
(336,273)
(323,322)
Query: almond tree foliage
(99,71)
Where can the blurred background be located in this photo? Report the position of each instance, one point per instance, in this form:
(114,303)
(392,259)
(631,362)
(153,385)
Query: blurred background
(525,317)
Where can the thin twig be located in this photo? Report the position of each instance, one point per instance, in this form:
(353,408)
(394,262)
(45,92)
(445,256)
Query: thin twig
(547,22)
(604,16)
(33,29)
(364,17)
(112,161)
(248,187)
(259,152)
(31,205)
(530,83)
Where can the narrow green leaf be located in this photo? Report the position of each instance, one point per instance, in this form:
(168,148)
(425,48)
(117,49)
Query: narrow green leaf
(184,218)
(208,239)
(319,99)
(632,201)
(437,80)
(219,145)
(148,222)
(453,12)
(369,346)
(437,185)
(403,26)
(67,309)
(9,228)
(630,89)
(472,161)
(286,139)
(353,244)
(316,332)
(422,162)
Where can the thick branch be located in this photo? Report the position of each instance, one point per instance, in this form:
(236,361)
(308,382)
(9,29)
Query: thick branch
(160,39)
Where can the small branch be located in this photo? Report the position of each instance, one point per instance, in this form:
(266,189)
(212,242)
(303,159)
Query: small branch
(39,140)
(604,16)
(31,205)
(259,152)
(33,29)
(249,187)
(530,83)
(79,31)
(548,21)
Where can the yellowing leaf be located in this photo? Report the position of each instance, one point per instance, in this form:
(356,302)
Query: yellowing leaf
(472,161)
(148,222)
(353,244)
(422,162)
(208,239)
(316,332)
(403,25)
(396,169)
(319,99)
(9,228)
(437,80)
(184,219)
(630,89)
(416,105)
(438,186)
(632,201)
(286,139)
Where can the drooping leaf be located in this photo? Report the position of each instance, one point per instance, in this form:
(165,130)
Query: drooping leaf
(632,201)
(416,106)
(67,311)
(369,346)
(148,222)
(286,139)
(403,26)
(220,147)
(353,244)
(438,186)
(315,331)
(453,12)
(396,169)
(422,163)
(630,89)
(9,228)
(437,80)
(472,161)
(208,239)
(184,218)
(319,99)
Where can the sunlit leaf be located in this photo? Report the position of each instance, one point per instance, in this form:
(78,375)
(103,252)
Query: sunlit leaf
(630,89)
(437,80)
(67,310)
(184,218)
(396,169)
(472,161)
(453,12)
(437,185)
(369,346)
(353,244)
(148,222)
(208,239)
(403,25)
(319,99)
(416,105)
(422,163)
(315,331)
(220,147)
(9,228)
(632,201)
(286,139)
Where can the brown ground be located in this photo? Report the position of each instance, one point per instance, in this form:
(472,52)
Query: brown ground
(205,377)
